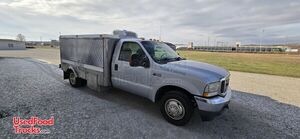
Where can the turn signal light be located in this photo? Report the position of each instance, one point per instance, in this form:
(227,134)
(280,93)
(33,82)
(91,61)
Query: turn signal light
(206,94)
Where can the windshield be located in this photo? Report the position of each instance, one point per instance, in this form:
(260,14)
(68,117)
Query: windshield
(160,52)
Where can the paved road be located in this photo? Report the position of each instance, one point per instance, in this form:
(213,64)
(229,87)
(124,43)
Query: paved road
(31,88)
(283,89)
(51,55)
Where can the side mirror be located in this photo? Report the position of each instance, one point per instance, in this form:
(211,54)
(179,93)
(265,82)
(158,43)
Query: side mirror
(135,61)
(146,62)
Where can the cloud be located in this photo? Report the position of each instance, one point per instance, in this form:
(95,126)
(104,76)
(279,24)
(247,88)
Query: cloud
(179,21)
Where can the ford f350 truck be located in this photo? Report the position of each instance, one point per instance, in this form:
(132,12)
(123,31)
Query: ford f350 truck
(146,68)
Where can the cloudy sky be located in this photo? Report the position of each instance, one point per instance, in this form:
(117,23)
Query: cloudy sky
(179,21)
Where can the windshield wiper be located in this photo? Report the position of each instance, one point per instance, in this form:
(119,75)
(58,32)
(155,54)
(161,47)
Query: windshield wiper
(167,60)
(164,60)
(178,58)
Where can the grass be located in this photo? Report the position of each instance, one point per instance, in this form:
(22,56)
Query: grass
(273,64)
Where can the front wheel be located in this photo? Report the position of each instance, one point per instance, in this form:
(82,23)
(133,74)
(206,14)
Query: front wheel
(176,107)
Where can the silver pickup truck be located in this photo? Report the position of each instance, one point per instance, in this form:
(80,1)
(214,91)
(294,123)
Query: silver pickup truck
(146,68)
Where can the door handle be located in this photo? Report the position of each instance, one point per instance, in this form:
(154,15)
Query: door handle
(156,74)
(116,67)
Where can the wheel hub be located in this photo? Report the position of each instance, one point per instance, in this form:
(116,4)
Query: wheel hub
(174,109)
(72,78)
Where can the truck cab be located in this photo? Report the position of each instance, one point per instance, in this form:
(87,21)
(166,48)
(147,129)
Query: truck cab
(153,70)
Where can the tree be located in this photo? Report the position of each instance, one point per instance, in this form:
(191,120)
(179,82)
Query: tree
(20,37)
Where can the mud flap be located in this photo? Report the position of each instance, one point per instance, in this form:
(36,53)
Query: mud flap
(66,75)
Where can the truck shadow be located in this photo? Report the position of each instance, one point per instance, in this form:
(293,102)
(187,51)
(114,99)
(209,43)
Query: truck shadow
(249,115)
(126,99)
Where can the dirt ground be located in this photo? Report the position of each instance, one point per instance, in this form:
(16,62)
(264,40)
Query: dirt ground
(282,89)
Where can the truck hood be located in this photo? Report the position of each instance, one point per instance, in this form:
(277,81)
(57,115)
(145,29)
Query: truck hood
(207,73)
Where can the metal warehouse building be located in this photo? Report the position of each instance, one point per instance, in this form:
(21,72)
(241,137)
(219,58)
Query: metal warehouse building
(7,44)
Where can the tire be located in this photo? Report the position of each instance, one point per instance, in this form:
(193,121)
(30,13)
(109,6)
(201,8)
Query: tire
(176,107)
(74,81)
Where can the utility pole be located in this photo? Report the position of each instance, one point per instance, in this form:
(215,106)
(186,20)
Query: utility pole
(201,42)
(41,41)
(160,32)
(260,40)
(215,42)
(286,40)
(208,41)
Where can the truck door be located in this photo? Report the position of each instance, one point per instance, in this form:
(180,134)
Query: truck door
(135,79)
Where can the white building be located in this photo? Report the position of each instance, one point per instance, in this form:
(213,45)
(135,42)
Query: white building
(238,44)
(190,45)
(180,46)
(290,50)
(7,44)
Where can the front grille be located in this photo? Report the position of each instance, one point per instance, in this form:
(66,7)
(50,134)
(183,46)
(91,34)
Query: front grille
(224,85)
(223,88)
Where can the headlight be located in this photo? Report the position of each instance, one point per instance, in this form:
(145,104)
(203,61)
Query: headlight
(212,89)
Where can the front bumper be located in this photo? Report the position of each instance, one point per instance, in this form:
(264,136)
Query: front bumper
(215,104)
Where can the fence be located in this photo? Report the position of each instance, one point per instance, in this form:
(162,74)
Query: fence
(241,49)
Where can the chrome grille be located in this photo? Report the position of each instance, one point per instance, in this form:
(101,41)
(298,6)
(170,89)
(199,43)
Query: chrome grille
(224,85)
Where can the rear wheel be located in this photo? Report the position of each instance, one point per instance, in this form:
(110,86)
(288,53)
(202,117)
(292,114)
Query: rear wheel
(75,81)
(176,107)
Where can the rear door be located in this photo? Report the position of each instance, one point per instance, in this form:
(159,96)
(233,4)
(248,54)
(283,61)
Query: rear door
(126,77)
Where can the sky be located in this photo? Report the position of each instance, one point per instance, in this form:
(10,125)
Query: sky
(176,21)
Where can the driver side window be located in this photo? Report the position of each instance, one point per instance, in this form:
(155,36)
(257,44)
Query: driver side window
(128,49)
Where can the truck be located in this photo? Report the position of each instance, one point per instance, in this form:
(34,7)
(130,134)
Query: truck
(150,69)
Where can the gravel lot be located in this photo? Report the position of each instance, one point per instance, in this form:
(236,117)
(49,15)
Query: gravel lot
(32,88)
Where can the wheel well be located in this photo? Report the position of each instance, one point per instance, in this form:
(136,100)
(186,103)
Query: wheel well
(163,90)
(67,73)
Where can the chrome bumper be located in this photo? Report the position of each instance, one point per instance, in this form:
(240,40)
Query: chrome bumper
(215,104)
